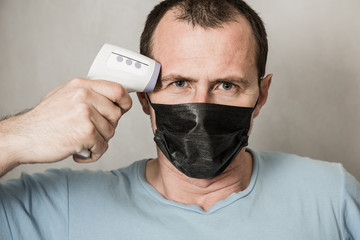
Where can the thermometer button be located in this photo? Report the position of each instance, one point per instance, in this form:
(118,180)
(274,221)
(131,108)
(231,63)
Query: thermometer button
(137,65)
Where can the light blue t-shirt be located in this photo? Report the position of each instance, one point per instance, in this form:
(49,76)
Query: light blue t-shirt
(289,197)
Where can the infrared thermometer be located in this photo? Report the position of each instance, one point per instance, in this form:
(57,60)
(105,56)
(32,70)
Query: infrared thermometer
(135,72)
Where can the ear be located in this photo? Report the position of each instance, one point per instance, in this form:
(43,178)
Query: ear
(144,102)
(264,90)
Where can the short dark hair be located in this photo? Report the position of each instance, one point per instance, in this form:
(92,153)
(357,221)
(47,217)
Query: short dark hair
(208,14)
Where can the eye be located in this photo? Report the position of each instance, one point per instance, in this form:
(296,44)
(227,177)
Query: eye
(226,86)
(180,83)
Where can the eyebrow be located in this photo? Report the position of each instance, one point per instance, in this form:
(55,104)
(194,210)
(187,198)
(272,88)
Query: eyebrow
(172,78)
(230,79)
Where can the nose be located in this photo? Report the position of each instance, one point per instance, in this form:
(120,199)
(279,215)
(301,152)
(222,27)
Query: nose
(202,95)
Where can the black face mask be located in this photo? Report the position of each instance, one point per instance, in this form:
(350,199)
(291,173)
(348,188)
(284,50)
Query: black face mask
(201,139)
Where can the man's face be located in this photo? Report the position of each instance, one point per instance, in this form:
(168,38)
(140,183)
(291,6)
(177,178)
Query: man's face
(205,65)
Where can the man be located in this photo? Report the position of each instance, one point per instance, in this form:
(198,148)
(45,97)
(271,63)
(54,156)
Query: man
(204,182)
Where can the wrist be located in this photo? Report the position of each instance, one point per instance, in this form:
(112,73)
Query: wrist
(9,151)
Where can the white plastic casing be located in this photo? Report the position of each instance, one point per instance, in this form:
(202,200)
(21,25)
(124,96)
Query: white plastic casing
(135,72)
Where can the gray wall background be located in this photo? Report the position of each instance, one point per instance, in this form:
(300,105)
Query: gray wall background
(312,110)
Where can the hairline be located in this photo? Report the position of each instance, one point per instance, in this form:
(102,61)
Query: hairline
(232,19)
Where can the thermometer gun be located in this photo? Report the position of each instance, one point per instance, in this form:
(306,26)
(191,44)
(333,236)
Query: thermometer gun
(135,72)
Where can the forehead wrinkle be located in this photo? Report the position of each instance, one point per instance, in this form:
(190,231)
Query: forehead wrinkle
(240,50)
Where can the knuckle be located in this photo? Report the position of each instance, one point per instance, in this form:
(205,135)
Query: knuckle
(129,105)
(95,157)
(119,90)
(81,95)
(87,131)
(117,114)
(111,131)
(83,111)
(90,130)
(75,82)
(108,132)
(125,105)
(102,148)
(105,147)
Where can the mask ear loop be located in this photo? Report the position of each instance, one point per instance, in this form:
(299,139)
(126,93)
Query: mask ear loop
(257,101)
(147,96)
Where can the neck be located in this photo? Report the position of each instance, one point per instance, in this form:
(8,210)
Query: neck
(176,186)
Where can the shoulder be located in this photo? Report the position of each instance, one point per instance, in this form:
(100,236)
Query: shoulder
(300,175)
(284,164)
(52,180)
(27,204)
(123,174)
(87,181)
(60,180)
(317,190)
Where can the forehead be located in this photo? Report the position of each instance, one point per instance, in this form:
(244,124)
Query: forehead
(179,39)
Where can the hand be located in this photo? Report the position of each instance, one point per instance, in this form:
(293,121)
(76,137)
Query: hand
(80,114)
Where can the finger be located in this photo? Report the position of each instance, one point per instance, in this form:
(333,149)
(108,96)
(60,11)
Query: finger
(98,149)
(106,108)
(102,125)
(97,146)
(103,105)
(113,91)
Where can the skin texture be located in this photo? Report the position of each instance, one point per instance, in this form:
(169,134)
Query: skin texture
(198,65)
(204,65)
(80,114)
